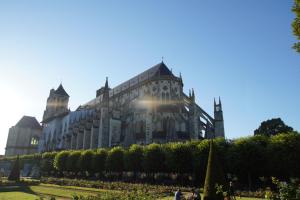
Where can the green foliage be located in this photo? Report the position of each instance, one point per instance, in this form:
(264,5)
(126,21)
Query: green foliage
(154,158)
(214,176)
(179,157)
(85,160)
(287,190)
(284,153)
(296,24)
(247,159)
(132,188)
(245,155)
(272,127)
(46,163)
(60,161)
(114,161)
(98,161)
(73,161)
(133,158)
(15,171)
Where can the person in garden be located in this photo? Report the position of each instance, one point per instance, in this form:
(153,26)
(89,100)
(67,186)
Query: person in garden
(231,190)
(195,195)
(178,195)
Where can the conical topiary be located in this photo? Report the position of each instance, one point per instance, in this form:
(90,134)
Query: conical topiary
(15,172)
(214,176)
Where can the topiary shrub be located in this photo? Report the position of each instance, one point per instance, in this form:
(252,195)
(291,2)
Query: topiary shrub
(133,158)
(73,162)
(85,161)
(98,161)
(214,178)
(114,161)
(60,161)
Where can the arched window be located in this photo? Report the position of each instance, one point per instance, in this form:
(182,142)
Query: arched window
(34,141)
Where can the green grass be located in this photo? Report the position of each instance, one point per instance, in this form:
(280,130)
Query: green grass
(47,190)
(17,196)
(60,192)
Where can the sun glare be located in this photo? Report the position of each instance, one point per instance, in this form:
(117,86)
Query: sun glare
(12,109)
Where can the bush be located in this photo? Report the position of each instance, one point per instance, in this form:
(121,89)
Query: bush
(133,158)
(73,161)
(47,161)
(215,181)
(114,161)
(85,160)
(284,153)
(179,158)
(60,161)
(99,160)
(154,158)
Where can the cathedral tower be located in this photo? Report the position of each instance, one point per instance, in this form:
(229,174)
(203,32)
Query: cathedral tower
(57,103)
(218,120)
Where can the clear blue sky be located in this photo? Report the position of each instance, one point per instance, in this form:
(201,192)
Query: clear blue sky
(239,50)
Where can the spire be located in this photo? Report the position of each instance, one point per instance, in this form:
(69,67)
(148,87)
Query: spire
(106,83)
(61,91)
(193,93)
(180,75)
(215,105)
(220,100)
(189,93)
(106,92)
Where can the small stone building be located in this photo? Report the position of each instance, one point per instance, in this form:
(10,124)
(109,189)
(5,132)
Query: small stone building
(23,138)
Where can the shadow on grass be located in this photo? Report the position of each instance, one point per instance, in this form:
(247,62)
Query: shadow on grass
(17,188)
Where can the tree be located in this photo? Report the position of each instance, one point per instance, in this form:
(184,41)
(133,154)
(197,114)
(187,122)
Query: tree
(154,158)
(114,161)
(47,162)
(247,158)
(284,153)
(134,158)
(60,161)
(214,176)
(296,24)
(73,161)
(200,157)
(180,158)
(15,172)
(272,127)
(99,159)
(85,160)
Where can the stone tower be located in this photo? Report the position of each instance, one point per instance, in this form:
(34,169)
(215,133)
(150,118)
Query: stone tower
(23,138)
(57,103)
(103,139)
(193,118)
(218,120)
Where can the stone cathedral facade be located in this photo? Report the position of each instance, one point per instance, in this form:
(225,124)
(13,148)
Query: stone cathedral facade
(150,107)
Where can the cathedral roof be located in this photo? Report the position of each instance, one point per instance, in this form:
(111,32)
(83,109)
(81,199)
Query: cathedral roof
(28,122)
(157,70)
(162,70)
(61,91)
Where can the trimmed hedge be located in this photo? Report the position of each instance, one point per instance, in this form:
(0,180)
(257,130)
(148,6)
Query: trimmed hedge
(246,158)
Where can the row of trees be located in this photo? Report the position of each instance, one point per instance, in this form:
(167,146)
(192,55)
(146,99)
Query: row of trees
(246,159)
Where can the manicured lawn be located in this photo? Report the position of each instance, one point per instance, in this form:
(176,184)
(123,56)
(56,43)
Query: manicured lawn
(17,196)
(60,192)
